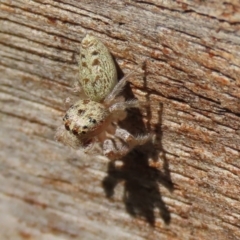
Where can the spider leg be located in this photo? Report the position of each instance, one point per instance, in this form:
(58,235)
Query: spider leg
(111,151)
(76,88)
(130,140)
(118,109)
(115,149)
(68,102)
(117,89)
(121,106)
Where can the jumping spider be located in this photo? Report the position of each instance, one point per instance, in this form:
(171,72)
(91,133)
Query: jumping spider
(94,120)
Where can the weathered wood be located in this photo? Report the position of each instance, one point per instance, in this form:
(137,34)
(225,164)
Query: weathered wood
(185,187)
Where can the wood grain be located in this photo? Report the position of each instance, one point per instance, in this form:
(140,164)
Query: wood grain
(186,55)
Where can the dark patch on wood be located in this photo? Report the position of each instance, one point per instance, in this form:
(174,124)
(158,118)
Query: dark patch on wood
(52,20)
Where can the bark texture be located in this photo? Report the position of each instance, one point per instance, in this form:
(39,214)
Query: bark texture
(187,60)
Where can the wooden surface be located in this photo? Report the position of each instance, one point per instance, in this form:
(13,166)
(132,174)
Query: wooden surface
(184,187)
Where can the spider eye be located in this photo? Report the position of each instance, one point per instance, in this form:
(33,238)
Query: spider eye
(81,111)
(67,127)
(66,117)
(74,131)
(92,120)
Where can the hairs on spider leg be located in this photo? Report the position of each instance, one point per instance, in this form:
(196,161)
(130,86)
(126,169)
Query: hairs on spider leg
(117,89)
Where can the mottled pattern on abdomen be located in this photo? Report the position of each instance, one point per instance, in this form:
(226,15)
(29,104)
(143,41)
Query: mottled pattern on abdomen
(98,74)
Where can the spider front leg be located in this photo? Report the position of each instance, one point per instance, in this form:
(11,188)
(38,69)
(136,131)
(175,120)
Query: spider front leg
(123,143)
(113,151)
(130,140)
(76,90)
(117,89)
(118,109)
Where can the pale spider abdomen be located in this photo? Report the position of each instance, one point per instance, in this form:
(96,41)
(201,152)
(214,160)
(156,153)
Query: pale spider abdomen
(86,118)
(98,74)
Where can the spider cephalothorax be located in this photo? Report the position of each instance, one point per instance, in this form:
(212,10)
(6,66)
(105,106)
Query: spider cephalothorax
(86,118)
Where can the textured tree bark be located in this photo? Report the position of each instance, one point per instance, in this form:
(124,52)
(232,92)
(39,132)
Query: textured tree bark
(186,186)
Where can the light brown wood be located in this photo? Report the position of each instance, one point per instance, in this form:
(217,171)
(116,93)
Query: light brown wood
(184,187)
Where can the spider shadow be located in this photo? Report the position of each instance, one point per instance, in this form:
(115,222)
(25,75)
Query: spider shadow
(141,196)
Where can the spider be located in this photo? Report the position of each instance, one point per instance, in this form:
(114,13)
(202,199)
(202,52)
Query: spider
(93,121)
